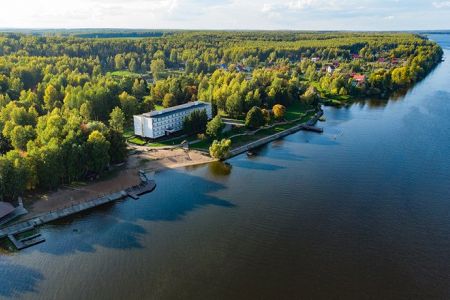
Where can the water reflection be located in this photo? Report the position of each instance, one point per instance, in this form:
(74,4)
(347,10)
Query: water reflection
(17,279)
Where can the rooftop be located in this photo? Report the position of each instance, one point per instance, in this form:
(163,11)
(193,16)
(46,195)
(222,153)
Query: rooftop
(175,109)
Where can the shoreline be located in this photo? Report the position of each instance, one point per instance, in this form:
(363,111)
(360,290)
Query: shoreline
(144,158)
(120,179)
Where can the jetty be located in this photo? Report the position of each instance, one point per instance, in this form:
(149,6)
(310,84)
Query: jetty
(308,126)
(11,232)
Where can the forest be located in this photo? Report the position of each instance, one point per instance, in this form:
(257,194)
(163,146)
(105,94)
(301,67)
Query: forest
(66,100)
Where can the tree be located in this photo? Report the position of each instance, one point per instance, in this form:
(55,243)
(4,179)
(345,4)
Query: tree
(139,89)
(220,150)
(117,119)
(195,122)
(119,62)
(129,105)
(132,65)
(118,148)
(98,148)
(214,127)
(20,136)
(51,98)
(169,100)
(234,105)
(311,95)
(157,67)
(279,111)
(254,118)
(86,111)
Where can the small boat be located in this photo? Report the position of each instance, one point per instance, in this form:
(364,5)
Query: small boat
(250,153)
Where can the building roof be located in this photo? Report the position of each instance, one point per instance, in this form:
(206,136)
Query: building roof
(359,77)
(5,209)
(175,109)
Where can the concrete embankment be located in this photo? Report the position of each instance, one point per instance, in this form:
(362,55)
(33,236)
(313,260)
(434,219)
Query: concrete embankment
(146,186)
(306,126)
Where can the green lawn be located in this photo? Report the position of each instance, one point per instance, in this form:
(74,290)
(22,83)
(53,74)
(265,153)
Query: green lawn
(245,139)
(137,141)
(125,74)
(296,110)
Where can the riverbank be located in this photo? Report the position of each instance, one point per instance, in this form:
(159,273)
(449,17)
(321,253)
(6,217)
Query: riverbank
(119,179)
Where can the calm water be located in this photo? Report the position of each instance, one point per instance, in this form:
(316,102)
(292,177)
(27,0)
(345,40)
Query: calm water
(362,211)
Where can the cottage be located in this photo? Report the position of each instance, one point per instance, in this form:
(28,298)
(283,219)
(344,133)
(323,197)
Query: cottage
(359,79)
(331,69)
(157,124)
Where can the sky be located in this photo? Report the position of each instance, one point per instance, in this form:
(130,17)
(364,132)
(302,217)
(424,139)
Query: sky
(228,14)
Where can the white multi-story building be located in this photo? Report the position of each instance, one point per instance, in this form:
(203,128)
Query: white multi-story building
(157,124)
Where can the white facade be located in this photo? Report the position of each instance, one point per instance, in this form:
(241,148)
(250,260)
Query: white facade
(157,124)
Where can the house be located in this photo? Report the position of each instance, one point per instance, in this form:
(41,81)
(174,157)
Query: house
(359,79)
(356,56)
(315,59)
(331,69)
(157,124)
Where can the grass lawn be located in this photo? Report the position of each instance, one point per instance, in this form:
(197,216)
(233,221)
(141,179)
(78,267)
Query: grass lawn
(125,74)
(137,141)
(128,132)
(245,139)
(296,110)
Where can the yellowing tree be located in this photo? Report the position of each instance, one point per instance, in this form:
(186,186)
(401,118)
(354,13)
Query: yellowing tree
(279,111)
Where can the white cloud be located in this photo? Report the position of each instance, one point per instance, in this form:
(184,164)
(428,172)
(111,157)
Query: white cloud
(227,14)
(442,4)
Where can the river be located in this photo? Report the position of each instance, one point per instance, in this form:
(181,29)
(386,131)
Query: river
(359,212)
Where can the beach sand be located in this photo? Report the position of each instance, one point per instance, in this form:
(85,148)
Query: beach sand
(126,176)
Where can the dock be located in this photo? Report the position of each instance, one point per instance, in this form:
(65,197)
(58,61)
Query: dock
(146,186)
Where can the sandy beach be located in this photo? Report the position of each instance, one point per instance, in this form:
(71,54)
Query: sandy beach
(150,160)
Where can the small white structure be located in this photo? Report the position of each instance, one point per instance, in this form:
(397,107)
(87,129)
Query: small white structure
(157,124)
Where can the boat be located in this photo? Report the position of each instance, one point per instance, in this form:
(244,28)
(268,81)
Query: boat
(250,153)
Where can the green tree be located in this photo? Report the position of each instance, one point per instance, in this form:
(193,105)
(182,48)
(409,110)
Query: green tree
(169,100)
(254,118)
(98,148)
(214,127)
(157,67)
(195,122)
(129,105)
(51,98)
(117,120)
(20,136)
(220,149)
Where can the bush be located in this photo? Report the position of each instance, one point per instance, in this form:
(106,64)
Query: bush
(220,150)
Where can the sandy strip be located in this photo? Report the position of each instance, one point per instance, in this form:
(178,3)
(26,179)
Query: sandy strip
(148,160)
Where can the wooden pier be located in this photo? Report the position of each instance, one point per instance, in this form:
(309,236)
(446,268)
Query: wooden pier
(146,186)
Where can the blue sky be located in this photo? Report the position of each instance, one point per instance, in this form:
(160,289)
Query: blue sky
(228,14)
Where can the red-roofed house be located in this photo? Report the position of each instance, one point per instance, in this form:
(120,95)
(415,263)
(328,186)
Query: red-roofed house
(359,79)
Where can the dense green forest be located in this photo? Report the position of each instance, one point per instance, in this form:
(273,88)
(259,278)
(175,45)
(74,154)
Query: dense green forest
(65,100)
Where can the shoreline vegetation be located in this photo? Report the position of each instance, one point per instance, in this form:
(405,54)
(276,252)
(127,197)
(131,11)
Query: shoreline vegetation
(66,101)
